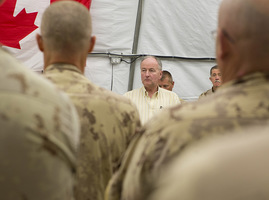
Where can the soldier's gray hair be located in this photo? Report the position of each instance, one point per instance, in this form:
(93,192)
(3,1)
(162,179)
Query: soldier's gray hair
(214,67)
(66,27)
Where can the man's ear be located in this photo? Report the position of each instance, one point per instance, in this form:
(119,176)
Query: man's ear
(210,78)
(92,43)
(39,42)
(161,74)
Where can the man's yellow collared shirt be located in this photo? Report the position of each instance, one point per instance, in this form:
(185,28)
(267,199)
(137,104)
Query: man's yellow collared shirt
(147,106)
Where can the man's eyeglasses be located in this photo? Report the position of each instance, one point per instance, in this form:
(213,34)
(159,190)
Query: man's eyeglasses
(214,34)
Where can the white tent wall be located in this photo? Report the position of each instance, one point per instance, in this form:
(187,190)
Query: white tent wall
(168,28)
(177,28)
(113,25)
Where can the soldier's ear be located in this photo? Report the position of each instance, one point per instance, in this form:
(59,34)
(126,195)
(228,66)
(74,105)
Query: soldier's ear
(210,78)
(161,74)
(92,43)
(40,42)
(223,46)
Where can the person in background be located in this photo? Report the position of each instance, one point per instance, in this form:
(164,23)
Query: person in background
(242,49)
(108,121)
(39,135)
(166,82)
(215,78)
(150,98)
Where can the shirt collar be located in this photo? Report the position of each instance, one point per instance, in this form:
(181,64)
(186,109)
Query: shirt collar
(156,94)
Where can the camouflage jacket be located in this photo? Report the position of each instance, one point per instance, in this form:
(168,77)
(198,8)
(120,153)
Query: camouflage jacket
(237,104)
(38,136)
(232,166)
(108,121)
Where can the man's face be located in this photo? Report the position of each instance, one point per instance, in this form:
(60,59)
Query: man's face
(150,73)
(215,77)
(166,84)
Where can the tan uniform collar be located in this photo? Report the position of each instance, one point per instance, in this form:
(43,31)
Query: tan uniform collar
(62,67)
(248,79)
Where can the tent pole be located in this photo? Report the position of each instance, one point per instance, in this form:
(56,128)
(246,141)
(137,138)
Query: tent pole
(135,44)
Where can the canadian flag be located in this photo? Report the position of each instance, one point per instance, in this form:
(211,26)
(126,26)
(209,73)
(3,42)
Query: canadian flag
(19,24)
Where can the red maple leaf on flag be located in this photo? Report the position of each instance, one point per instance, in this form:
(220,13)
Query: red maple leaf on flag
(87,3)
(13,29)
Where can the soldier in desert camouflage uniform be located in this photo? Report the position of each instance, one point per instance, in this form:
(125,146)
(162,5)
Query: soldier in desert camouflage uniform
(108,121)
(232,166)
(242,100)
(39,133)
(215,78)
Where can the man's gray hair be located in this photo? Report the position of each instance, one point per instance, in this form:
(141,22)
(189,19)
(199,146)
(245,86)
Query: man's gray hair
(66,27)
(157,59)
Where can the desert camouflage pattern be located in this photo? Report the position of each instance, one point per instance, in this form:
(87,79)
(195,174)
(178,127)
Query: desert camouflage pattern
(38,136)
(232,166)
(108,122)
(236,105)
(208,92)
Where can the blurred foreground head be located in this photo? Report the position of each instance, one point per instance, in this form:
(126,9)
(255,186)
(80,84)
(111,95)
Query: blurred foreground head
(242,45)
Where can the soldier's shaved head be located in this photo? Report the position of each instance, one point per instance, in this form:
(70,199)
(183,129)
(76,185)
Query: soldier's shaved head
(66,34)
(245,19)
(66,27)
(243,39)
